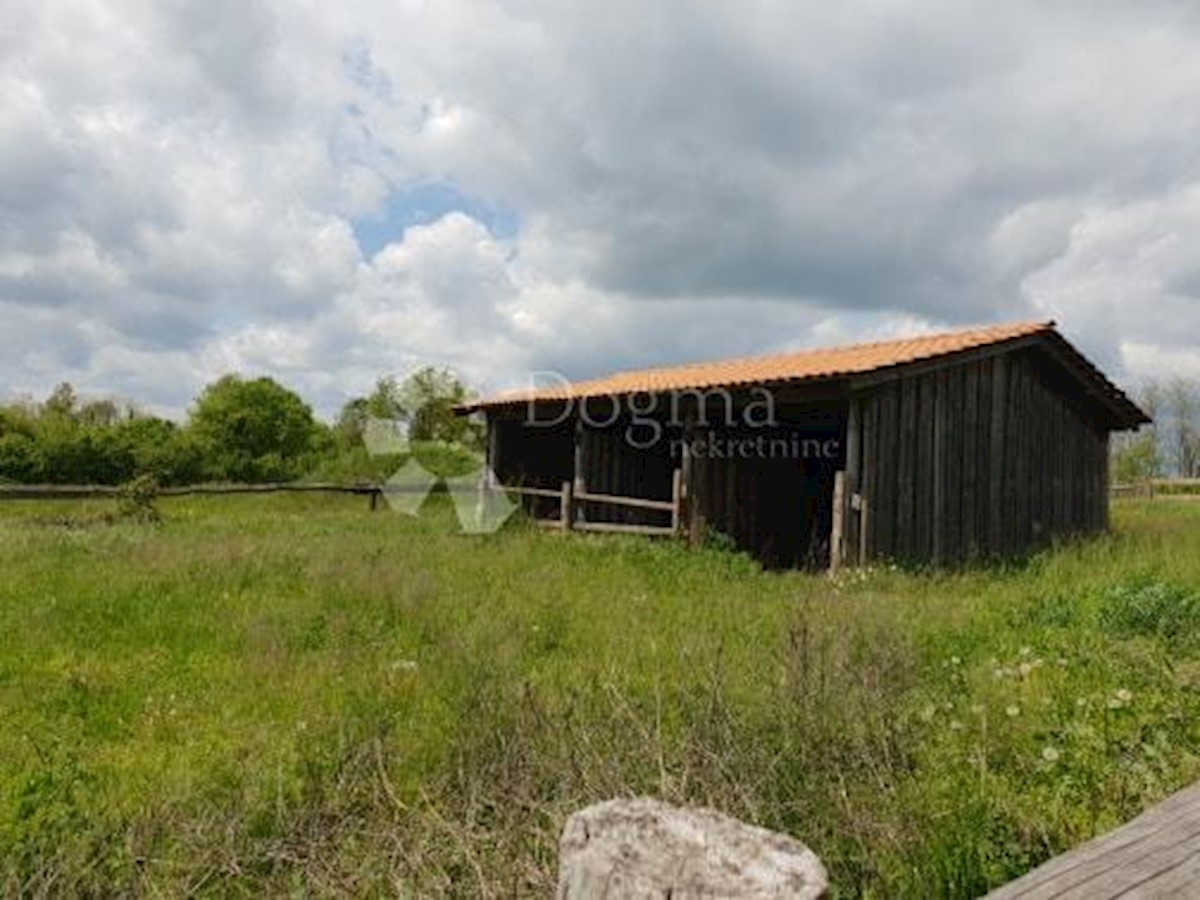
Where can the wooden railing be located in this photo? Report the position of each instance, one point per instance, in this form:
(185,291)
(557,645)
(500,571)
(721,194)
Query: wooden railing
(102,491)
(571,502)
(1156,487)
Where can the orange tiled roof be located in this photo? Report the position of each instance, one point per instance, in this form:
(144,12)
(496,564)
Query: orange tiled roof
(803,365)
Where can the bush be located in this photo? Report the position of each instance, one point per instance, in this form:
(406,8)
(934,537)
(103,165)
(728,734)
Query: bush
(135,499)
(19,458)
(254,430)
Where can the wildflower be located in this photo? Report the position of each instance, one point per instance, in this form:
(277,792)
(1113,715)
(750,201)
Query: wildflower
(955,661)
(1120,698)
(1012,711)
(927,713)
(1026,651)
(1026,670)
(1081,701)
(955,725)
(1050,754)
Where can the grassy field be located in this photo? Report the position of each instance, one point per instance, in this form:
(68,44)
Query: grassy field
(291,695)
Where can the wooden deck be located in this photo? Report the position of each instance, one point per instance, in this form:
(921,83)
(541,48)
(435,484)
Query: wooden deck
(1155,855)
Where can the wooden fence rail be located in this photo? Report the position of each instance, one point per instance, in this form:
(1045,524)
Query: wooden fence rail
(1165,487)
(102,491)
(571,503)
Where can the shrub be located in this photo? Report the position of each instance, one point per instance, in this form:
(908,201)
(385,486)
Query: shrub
(135,499)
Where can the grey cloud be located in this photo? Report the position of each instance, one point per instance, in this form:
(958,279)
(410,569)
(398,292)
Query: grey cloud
(692,181)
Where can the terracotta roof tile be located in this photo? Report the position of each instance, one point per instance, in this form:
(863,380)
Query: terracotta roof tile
(803,365)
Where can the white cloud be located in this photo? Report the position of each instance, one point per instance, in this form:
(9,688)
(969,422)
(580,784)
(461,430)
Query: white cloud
(179,184)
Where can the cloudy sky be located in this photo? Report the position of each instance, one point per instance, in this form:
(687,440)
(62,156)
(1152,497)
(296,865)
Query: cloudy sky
(325,192)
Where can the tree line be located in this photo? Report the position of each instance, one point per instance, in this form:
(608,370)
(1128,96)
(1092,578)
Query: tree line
(1170,446)
(255,430)
(250,430)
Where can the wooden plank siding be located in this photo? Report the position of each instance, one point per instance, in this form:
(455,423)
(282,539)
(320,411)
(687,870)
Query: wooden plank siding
(981,459)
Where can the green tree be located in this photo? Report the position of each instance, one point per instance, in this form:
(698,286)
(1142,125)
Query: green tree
(62,401)
(161,449)
(20,458)
(1136,459)
(429,398)
(254,429)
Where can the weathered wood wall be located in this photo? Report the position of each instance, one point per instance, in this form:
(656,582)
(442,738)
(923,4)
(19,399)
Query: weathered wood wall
(991,457)
(777,507)
(608,463)
(532,456)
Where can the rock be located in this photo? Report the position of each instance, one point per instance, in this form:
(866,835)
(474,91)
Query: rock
(646,848)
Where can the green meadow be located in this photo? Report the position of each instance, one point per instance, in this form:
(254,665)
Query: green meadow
(292,695)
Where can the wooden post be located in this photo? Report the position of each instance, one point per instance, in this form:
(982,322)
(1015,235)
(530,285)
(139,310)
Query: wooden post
(580,485)
(692,515)
(375,499)
(567,510)
(493,448)
(839,517)
(864,522)
(676,501)
(851,486)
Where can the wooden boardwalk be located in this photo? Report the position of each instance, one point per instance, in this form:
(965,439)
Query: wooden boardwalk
(1155,855)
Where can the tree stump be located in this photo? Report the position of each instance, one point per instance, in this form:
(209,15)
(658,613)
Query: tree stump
(646,848)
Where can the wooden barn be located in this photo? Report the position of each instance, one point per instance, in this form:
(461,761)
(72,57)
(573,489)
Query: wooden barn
(934,449)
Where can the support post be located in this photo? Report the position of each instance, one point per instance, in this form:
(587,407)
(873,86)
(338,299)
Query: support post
(580,468)
(567,510)
(836,532)
(864,521)
(692,518)
(676,501)
(491,467)
(852,481)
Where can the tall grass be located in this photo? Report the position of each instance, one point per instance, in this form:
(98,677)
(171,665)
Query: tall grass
(291,694)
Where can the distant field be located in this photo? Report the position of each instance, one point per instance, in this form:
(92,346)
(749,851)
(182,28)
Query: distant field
(289,693)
